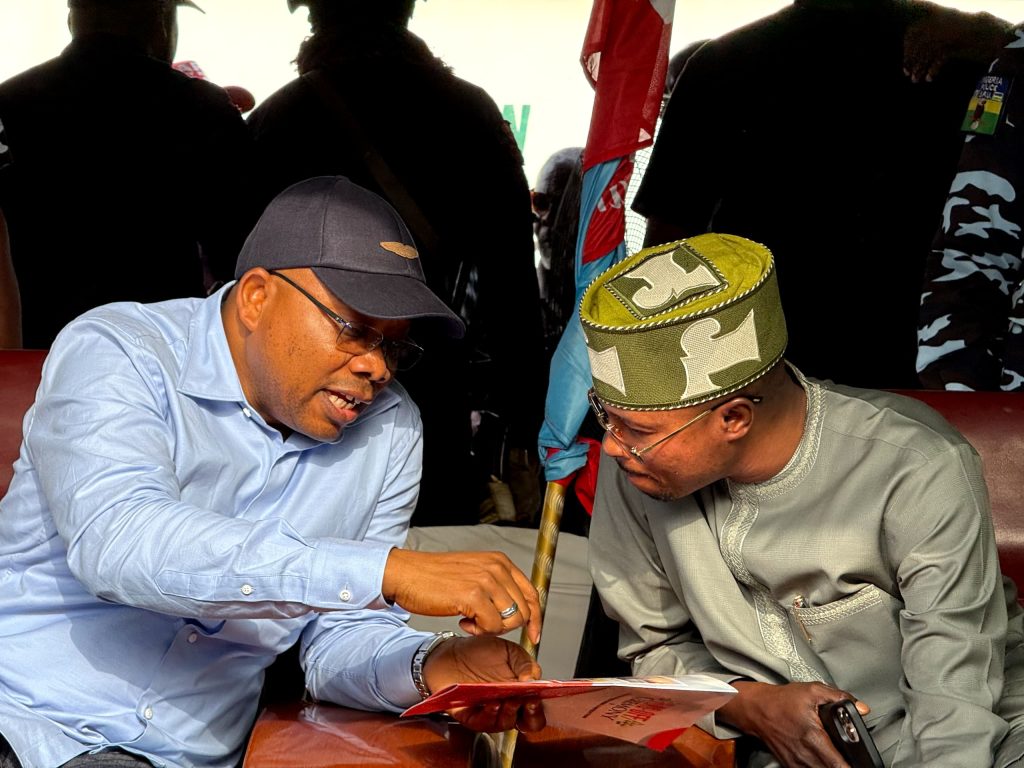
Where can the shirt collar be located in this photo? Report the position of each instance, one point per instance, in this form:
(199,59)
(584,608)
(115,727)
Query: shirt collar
(803,459)
(209,371)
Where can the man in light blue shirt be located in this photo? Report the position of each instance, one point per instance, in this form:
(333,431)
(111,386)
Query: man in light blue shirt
(203,483)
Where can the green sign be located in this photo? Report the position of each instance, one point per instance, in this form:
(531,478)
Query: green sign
(518,125)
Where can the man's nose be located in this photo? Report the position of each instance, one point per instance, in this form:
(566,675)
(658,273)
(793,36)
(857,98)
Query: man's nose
(372,365)
(611,446)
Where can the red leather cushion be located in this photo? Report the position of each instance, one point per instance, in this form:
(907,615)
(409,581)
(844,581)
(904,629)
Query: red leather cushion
(19,379)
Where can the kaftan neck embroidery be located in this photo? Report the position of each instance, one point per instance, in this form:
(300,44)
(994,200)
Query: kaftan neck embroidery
(772,619)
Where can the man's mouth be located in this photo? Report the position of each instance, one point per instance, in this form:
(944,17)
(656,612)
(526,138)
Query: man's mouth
(344,402)
(634,475)
(623,466)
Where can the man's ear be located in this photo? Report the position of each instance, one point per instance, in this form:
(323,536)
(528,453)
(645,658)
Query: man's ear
(735,418)
(251,297)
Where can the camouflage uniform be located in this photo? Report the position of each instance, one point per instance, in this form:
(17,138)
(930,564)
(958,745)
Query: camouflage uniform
(971,330)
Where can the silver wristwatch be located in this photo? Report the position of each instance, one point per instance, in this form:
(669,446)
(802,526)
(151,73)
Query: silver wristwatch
(420,658)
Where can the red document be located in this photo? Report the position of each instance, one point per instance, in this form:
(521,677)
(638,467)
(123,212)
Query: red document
(651,711)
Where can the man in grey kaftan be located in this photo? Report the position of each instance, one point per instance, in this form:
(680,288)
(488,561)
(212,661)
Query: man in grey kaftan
(828,541)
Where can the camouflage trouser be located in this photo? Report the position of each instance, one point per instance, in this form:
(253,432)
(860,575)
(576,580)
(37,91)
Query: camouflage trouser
(971,330)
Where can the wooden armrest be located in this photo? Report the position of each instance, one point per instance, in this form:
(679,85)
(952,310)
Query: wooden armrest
(576,749)
(705,751)
(301,735)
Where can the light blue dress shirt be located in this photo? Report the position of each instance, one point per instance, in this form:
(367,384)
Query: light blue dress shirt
(160,544)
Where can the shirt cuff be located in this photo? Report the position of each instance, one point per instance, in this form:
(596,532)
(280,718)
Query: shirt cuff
(348,575)
(394,671)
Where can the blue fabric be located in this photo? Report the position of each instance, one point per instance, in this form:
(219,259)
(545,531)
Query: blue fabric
(566,404)
(160,544)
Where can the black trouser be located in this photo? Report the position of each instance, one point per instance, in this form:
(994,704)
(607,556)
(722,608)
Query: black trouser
(113,758)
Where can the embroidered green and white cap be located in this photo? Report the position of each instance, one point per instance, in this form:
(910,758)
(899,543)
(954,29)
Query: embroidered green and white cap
(684,323)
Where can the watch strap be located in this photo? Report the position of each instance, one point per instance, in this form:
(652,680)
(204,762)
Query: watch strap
(419,660)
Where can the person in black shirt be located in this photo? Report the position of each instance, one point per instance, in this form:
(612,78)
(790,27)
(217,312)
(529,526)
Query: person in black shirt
(806,131)
(120,178)
(454,156)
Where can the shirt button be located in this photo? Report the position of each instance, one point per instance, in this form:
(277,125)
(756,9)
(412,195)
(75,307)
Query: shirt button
(247,589)
(193,637)
(148,713)
(345,595)
(247,412)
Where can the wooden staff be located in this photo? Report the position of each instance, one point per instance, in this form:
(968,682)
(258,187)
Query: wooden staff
(543,562)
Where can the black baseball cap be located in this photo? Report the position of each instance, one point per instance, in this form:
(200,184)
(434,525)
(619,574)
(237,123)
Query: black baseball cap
(355,243)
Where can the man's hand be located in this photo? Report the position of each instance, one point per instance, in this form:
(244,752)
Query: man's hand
(480,660)
(785,718)
(475,585)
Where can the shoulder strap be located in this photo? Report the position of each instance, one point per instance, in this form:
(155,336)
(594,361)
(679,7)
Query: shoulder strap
(388,182)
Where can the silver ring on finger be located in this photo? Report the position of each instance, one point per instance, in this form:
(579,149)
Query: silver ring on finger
(511,611)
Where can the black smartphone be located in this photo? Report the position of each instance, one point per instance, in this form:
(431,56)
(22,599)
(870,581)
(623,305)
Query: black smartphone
(850,736)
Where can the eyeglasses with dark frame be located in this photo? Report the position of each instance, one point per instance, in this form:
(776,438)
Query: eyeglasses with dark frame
(360,339)
(638,453)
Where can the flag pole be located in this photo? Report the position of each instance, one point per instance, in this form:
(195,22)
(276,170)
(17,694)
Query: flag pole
(543,563)
(626,49)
